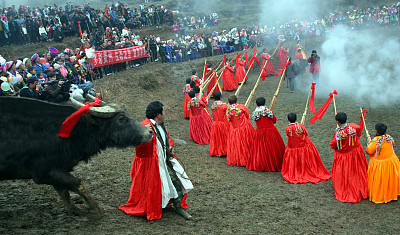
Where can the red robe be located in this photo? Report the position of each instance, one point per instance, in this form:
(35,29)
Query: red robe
(228,79)
(299,55)
(349,167)
(211,84)
(240,72)
(302,163)
(186,111)
(283,57)
(269,67)
(200,122)
(241,134)
(219,129)
(267,145)
(145,195)
(196,79)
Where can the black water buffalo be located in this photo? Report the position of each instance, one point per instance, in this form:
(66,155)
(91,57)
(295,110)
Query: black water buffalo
(300,66)
(31,149)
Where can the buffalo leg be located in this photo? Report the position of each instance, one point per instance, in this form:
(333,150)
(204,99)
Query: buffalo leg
(84,193)
(64,182)
(65,196)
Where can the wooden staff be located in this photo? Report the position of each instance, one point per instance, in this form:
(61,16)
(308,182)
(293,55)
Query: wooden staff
(291,44)
(365,126)
(275,49)
(205,83)
(244,79)
(277,90)
(255,86)
(303,119)
(209,78)
(202,86)
(216,84)
(334,104)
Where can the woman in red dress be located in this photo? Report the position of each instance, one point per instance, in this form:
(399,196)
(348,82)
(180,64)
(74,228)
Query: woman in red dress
(200,121)
(213,81)
(283,57)
(241,133)
(220,127)
(301,162)
(186,111)
(228,79)
(240,70)
(349,167)
(268,147)
(269,68)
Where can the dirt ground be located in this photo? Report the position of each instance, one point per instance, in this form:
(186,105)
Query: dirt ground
(226,199)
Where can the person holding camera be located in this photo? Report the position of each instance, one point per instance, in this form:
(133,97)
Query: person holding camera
(32,89)
(57,90)
(315,67)
(157,176)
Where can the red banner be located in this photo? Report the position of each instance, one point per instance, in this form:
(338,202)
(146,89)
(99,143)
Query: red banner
(107,57)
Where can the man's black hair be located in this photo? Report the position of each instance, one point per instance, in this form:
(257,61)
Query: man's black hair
(292,117)
(341,117)
(232,99)
(260,101)
(194,71)
(188,80)
(314,51)
(217,95)
(381,128)
(196,89)
(153,109)
(192,93)
(51,74)
(30,69)
(192,84)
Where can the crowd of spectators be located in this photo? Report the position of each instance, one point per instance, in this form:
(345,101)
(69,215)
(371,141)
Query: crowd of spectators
(26,24)
(109,34)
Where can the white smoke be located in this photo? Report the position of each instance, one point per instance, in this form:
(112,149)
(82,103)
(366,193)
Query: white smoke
(285,10)
(361,64)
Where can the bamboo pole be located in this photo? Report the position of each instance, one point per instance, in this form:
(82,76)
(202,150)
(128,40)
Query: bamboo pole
(275,49)
(277,90)
(208,78)
(216,84)
(204,84)
(303,119)
(291,44)
(244,79)
(365,126)
(334,104)
(255,86)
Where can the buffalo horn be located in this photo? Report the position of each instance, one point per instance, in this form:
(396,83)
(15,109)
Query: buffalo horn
(103,112)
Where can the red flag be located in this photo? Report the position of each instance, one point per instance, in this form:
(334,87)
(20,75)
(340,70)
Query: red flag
(312,107)
(197,32)
(361,116)
(320,113)
(224,61)
(281,71)
(255,58)
(204,71)
(80,31)
(247,60)
(70,122)
(309,35)
(263,74)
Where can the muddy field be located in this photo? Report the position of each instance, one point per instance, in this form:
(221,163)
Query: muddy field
(226,199)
